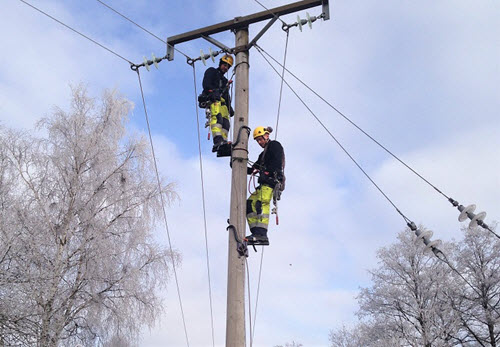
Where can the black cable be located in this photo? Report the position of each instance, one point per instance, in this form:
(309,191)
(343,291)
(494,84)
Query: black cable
(249,302)
(203,203)
(354,124)
(452,201)
(76,31)
(258,290)
(163,206)
(335,139)
(268,10)
(281,86)
(144,29)
(447,262)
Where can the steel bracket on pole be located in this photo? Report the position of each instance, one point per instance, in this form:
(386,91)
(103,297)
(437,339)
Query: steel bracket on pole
(239,49)
(262,32)
(326,10)
(216,43)
(170,52)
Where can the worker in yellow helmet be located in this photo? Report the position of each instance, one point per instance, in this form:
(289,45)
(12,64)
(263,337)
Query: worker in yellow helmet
(216,97)
(270,166)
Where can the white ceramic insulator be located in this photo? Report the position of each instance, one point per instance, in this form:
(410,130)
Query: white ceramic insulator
(299,22)
(154,61)
(463,215)
(211,54)
(309,21)
(202,56)
(478,217)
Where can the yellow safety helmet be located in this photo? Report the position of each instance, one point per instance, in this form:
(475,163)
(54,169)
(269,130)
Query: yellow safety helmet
(261,131)
(227,59)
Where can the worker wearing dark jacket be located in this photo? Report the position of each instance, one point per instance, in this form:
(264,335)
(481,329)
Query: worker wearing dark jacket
(215,89)
(270,167)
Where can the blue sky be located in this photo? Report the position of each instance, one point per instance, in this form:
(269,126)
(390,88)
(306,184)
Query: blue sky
(421,77)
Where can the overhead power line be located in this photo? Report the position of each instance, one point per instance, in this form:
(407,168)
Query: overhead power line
(141,27)
(354,124)
(163,208)
(333,137)
(204,206)
(268,10)
(76,31)
(466,212)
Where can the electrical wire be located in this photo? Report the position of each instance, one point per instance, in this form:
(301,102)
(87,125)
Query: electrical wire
(354,124)
(258,290)
(141,27)
(443,258)
(203,202)
(483,225)
(335,139)
(281,86)
(268,10)
(76,31)
(249,303)
(163,207)
(447,262)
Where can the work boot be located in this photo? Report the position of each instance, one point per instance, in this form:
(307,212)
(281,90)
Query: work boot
(218,141)
(261,240)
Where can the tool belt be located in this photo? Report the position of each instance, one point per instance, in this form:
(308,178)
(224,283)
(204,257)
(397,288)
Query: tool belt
(205,99)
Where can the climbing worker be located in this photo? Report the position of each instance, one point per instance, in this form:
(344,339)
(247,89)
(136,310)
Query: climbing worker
(270,167)
(216,97)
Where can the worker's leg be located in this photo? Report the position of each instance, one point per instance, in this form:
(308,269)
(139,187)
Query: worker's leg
(216,122)
(225,124)
(258,208)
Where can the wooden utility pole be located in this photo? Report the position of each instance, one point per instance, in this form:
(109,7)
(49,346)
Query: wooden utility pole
(235,319)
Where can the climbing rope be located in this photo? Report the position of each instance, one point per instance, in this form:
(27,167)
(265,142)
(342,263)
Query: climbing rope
(163,208)
(203,203)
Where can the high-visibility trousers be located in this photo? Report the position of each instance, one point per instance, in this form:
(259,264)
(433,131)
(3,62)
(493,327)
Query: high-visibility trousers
(258,206)
(219,121)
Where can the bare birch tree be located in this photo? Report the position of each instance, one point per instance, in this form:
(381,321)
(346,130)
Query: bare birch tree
(77,260)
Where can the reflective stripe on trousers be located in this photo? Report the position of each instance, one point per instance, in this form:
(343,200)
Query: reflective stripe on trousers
(258,205)
(219,122)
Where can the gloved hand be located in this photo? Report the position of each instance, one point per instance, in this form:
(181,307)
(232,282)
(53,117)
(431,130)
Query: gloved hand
(231,111)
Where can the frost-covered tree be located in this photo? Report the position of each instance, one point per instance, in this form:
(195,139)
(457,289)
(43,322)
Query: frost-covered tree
(366,335)
(477,301)
(290,344)
(406,302)
(77,207)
